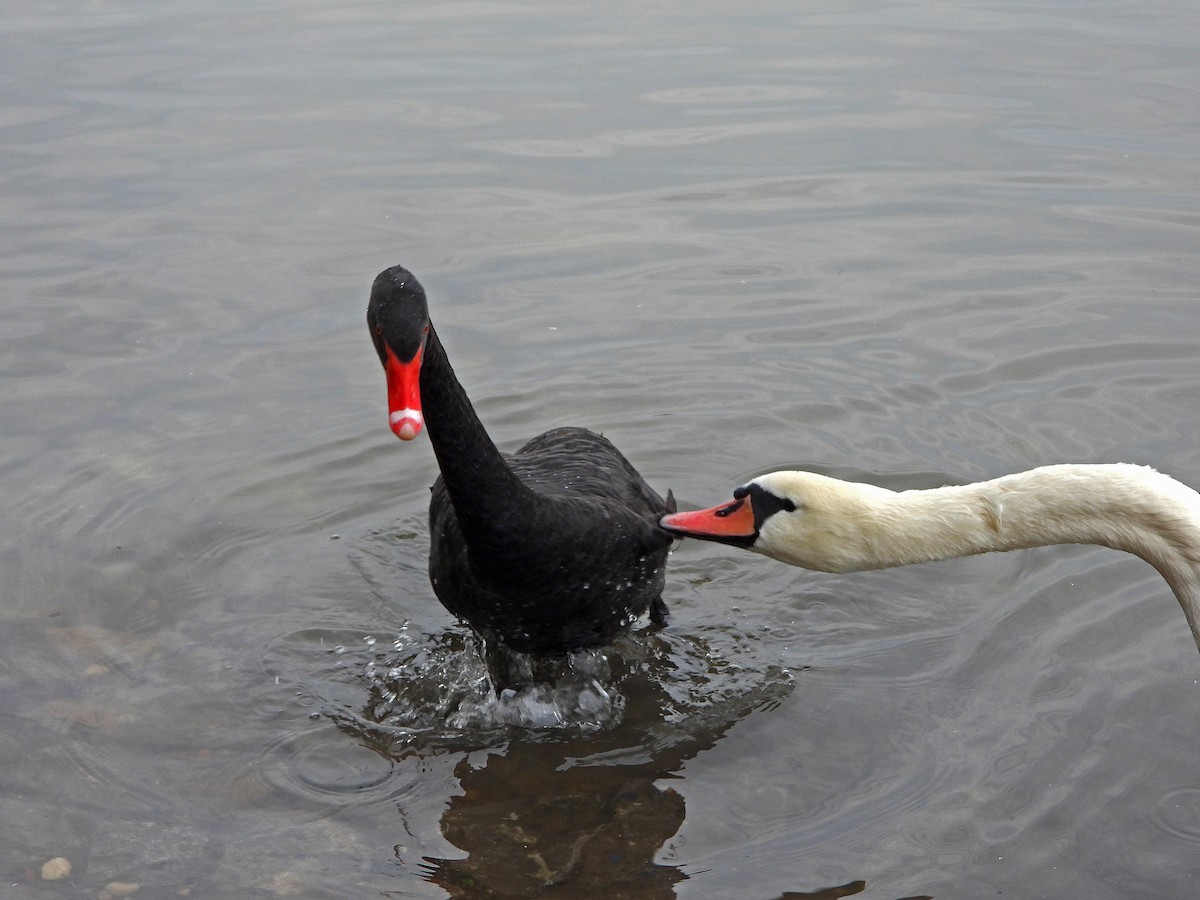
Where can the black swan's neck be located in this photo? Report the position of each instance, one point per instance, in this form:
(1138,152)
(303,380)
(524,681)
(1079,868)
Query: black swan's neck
(474,472)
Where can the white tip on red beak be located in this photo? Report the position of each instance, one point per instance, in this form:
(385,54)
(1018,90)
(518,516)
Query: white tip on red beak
(406,423)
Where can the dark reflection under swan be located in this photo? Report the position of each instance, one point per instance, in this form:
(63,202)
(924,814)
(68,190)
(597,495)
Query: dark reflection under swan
(562,783)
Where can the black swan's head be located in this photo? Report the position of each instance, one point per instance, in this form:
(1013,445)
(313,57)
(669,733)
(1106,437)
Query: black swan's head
(398,318)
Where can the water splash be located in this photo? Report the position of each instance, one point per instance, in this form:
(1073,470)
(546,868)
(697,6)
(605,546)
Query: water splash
(431,693)
(425,684)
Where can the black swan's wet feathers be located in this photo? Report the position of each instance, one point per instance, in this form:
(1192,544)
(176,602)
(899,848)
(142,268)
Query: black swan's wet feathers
(553,548)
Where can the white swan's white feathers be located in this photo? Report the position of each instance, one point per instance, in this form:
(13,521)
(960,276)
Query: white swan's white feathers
(841,526)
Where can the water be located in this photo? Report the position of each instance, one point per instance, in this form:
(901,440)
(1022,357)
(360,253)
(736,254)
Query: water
(907,244)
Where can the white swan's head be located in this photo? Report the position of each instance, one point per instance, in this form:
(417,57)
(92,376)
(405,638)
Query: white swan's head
(801,518)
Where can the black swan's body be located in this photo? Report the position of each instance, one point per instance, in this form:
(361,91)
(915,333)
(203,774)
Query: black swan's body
(553,548)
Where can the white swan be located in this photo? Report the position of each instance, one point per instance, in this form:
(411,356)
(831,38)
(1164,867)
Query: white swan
(822,523)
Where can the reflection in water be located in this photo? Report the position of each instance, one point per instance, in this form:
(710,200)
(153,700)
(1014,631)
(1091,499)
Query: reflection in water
(531,827)
(567,799)
(833,893)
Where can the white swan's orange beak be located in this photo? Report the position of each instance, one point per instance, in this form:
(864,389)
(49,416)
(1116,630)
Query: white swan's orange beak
(732,521)
(404,394)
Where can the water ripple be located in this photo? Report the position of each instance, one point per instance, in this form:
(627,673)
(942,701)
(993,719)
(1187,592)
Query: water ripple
(1178,815)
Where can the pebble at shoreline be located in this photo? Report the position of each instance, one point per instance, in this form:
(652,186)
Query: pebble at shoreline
(56,869)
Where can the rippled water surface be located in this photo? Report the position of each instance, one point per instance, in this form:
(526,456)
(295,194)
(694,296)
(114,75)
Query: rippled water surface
(909,244)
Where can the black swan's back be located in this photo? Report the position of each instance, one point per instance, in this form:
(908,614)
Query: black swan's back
(575,462)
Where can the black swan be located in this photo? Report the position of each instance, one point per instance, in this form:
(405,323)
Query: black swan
(554,548)
(822,523)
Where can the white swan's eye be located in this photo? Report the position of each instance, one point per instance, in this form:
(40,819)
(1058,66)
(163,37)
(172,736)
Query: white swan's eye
(767,503)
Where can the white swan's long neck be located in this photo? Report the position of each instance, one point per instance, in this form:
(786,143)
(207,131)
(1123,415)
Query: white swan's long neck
(846,527)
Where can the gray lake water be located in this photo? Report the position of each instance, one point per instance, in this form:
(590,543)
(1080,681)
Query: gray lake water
(910,244)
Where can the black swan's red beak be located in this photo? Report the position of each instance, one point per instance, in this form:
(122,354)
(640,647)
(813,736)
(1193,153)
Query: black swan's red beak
(404,394)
